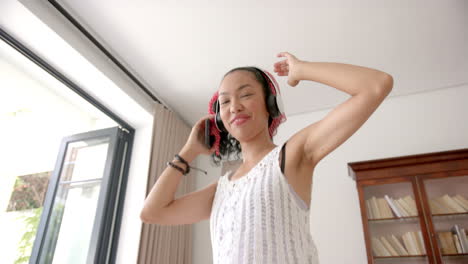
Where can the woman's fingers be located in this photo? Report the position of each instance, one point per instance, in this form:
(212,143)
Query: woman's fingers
(279,63)
(201,122)
(286,67)
(289,57)
(284,54)
(281,67)
(277,66)
(206,117)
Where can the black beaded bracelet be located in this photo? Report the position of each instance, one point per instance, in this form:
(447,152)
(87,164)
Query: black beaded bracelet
(179,158)
(177,168)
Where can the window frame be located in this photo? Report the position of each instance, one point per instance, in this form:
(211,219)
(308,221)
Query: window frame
(107,244)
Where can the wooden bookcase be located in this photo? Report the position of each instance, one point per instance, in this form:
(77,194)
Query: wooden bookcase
(425,178)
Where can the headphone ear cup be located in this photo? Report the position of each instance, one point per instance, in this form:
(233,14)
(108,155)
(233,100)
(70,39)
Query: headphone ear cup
(272,100)
(272,106)
(218,121)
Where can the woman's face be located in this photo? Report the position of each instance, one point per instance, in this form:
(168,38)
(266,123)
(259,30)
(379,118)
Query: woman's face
(241,96)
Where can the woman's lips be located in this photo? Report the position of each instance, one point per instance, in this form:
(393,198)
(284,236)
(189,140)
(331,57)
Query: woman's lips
(240,121)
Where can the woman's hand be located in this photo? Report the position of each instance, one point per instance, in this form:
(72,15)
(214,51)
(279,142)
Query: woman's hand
(196,140)
(288,67)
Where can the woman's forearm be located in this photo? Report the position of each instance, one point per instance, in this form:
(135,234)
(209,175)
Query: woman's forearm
(163,191)
(348,78)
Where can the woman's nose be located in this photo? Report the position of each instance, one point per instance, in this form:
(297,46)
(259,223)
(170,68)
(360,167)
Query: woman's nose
(235,106)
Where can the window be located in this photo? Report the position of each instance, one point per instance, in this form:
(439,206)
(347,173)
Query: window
(67,156)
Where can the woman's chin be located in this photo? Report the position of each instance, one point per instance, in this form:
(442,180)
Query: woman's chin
(243,135)
(239,135)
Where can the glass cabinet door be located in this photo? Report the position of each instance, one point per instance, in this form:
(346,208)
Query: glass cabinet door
(393,219)
(447,200)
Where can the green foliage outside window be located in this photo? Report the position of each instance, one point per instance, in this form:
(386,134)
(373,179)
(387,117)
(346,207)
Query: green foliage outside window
(26,242)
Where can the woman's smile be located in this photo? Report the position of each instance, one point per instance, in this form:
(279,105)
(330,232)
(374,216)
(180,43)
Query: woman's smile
(240,121)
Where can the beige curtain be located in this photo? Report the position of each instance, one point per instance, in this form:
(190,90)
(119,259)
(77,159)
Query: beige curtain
(167,244)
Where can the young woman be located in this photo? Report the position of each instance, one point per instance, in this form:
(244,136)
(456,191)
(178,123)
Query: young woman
(260,212)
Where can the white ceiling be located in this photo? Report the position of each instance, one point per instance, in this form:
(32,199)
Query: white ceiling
(181,50)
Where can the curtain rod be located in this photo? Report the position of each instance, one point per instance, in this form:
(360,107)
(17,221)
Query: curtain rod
(88,35)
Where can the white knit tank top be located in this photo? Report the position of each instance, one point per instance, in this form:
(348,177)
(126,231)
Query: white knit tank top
(259,218)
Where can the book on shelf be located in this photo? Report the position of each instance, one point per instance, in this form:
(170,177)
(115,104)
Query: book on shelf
(393,206)
(385,211)
(412,205)
(421,243)
(454,241)
(398,246)
(457,243)
(379,249)
(410,244)
(461,201)
(375,207)
(452,204)
(388,246)
(447,243)
(370,211)
(446,204)
(402,210)
(377,210)
(388,207)
(437,207)
(461,238)
(408,207)
(392,246)
(417,244)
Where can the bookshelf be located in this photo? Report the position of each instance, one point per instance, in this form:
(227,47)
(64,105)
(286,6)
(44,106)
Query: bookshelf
(414,208)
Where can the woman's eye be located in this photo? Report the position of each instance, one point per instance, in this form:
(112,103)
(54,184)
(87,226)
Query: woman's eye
(245,95)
